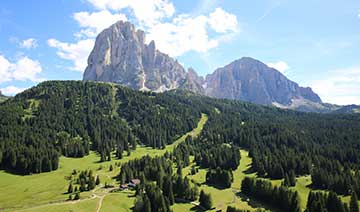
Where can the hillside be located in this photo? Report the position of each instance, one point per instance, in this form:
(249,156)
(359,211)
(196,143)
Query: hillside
(3,97)
(65,128)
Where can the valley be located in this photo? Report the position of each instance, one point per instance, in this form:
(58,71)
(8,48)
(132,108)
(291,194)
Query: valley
(226,138)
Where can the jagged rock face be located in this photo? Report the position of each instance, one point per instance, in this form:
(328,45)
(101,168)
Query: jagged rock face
(121,56)
(251,80)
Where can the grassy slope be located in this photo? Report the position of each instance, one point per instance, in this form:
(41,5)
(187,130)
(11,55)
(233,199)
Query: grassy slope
(223,198)
(19,192)
(23,192)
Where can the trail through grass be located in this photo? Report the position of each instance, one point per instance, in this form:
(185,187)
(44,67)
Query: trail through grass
(22,192)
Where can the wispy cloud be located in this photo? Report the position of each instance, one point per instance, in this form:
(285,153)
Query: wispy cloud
(11,90)
(30,43)
(340,86)
(268,11)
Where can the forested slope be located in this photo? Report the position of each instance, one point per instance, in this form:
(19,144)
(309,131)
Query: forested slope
(72,117)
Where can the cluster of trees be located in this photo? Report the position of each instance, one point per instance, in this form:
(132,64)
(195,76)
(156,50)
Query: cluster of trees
(331,175)
(150,198)
(73,117)
(290,179)
(321,201)
(279,197)
(287,143)
(219,177)
(208,154)
(84,181)
(72,147)
(159,170)
(157,119)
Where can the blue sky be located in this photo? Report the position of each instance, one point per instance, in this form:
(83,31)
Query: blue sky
(315,43)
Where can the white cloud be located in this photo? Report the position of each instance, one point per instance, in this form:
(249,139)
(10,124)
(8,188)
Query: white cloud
(222,21)
(24,69)
(187,33)
(94,23)
(340,86)
(30,43)
(184,34)
(11,90)
(27,69)
(176,35)
(280,66)
(76,52)
(173,34)
(147,12)
(5,69)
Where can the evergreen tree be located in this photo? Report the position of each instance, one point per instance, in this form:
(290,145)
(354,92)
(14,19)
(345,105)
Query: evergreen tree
(77,196)
(97,182)
(205,200)
(354,205)
(292,178)
(286,180)
(70,188)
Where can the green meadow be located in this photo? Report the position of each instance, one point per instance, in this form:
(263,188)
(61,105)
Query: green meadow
(47,191)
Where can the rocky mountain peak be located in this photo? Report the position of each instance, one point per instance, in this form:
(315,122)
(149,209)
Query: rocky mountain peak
(120,55)
(251,80)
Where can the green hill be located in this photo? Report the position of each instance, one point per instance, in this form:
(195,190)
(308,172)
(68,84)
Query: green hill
(59,126)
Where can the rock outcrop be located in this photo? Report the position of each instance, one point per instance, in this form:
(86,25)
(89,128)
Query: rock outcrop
(121,56)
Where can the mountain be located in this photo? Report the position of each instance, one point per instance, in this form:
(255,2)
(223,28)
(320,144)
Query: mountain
(3,97)
(347,109)
(121,56)
(250,80)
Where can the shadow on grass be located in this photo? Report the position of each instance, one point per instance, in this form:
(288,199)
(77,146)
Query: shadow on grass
(196,208)
(249,170)
(255,203)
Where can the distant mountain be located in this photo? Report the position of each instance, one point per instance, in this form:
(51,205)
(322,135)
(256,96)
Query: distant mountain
(121,56)
(3,97)
(348,109)
(250,80)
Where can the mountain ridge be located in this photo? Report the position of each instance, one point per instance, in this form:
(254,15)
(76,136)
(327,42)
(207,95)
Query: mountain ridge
(121,56)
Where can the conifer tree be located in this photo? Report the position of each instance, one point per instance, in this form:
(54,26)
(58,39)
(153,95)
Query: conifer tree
(354,205)
(70,188)
(97,182)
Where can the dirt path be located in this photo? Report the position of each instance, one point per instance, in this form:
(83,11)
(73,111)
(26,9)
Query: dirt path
(101,195)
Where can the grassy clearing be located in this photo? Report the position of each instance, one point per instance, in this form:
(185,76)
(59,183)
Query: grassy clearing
(21,192)
(120,201)
(84,206)
(223,197)
(33,107)
(3,98)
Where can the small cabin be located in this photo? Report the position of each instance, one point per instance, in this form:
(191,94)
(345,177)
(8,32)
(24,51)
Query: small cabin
(134,182)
